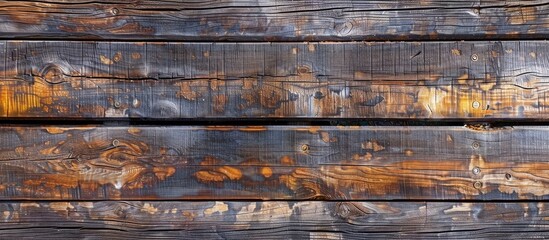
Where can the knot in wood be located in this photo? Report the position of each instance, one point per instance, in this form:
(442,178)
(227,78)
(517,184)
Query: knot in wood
(305,148)
(53,74)
(475,145)
(115,11)
(477,185)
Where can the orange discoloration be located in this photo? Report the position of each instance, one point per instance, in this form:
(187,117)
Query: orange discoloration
(149,208)
(219,103)
(231,172)
(19,150)
(55,130)
(287,160)
(134,131)
(221,128)
(463,79)
(266,172)
(216,84)
(365,157)
(105,60)
(163,172)
(209,176)
(408,152)
(325,137)
(117,166)
(219,207)
(136,55)
(456,52)
(442,103)
(186,89)
(61,206)
(521,15)
(253,129)
(209,160)
(372,145)
(19,99)
(358,75)
(311,129)
(249,83)
(270,97)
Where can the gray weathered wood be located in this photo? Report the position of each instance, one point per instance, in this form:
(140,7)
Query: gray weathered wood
(275,20)
(274,163)
(422,80)
(274,220)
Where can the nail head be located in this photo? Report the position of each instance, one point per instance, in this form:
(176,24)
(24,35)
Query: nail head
(476,104)
(474,57)
(115,142)
(476,170)
(475,145)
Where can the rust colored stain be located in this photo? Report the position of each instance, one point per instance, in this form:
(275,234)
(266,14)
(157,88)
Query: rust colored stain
(219,103)
(373,145)
(287,160)
(266,172)
(253,129)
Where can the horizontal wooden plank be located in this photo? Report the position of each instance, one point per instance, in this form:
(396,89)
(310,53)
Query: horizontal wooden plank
(430,80)
(275,220)
(275,163)
(275,20)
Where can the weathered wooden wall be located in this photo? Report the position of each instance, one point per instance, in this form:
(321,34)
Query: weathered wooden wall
(207,119)
(274,163)
(425,80)
(275,20)
(274,220)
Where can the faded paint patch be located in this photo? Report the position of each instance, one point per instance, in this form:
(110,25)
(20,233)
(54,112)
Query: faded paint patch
(219,207)
(61,206)
(105,60)
(372,145)
(149,208)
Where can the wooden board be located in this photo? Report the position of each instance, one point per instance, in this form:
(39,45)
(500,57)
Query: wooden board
(275,20)
(429,80)
(275,220)
(274,163)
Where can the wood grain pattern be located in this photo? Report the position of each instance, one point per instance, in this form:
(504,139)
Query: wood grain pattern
(275,220)
(429,80)
(275,20)
(275,163)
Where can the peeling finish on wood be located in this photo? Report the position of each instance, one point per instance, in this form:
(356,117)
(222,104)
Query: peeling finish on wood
(340,163)
(275,220)
(429,80)
(275,20)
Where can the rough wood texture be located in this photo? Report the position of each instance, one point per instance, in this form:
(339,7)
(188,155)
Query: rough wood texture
(275,220)
(284,163)
(272,20)
(436,80)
